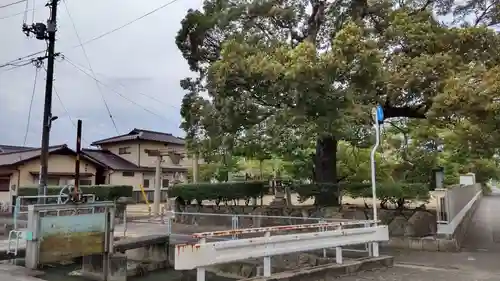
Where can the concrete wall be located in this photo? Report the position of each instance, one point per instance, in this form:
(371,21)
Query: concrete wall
(450,236)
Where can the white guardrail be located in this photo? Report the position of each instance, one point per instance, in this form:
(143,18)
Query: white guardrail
(202,254)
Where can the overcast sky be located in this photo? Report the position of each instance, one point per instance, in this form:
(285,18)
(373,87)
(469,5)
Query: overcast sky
(140,58)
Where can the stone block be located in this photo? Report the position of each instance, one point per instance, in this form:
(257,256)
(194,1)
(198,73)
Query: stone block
(399,242)
(415,243)
(430,244)
(447,245)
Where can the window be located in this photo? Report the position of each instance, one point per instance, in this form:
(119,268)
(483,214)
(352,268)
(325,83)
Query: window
(53,181)
(164,183)
(145,183)
(124,150)
(128,174)
(85,182)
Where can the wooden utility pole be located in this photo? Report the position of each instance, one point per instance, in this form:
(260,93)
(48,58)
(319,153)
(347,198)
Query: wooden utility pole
(46,33)
(77,161)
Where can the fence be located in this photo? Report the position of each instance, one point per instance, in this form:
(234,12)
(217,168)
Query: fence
(220,223)
(20,208)
(453,204)
(330,235)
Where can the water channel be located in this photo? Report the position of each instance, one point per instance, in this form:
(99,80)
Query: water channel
(61,273)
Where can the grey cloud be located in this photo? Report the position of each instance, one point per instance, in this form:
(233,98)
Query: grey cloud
(141,58)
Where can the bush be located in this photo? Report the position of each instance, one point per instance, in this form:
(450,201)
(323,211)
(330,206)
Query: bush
(312,190)
(394,193)
(101,192)
(225,191)
(397,193)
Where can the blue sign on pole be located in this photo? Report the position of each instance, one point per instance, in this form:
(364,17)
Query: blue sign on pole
(380,114)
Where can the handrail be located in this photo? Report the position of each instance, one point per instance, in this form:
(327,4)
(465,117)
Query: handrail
(219,233)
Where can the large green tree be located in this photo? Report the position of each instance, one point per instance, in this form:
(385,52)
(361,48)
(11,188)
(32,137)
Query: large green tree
(314,69)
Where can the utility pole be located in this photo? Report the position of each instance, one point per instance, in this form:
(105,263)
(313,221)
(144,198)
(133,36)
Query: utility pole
(46,33)
(77,161)
(158,178)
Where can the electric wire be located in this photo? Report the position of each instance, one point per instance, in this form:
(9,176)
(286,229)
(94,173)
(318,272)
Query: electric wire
(31,107)
(25,17)
(108,32)
(153,98)
(114,90)
(90,67)
(65,109)
(12,4)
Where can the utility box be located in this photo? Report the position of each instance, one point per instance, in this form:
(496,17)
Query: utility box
(437,179)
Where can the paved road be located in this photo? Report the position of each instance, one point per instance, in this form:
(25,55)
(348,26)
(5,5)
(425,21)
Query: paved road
(484,231)
(430,266)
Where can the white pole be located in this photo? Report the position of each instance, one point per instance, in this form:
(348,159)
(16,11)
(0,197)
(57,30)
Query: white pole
(374,178)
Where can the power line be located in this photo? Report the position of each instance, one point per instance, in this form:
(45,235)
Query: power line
(65,108)
(31,106)
(114,90)
(90,66)
(108,32)
(20,59)
(129,23)
(13,3)
(140,93)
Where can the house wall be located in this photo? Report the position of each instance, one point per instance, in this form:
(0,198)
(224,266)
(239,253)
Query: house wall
(22,177)
(117,178)
(139,157)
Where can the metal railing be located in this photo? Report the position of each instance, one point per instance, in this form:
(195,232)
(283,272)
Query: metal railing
(452,204)
(237,222)
(20,209)
(332,235)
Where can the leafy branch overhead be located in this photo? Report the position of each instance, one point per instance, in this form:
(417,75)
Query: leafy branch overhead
(279,76)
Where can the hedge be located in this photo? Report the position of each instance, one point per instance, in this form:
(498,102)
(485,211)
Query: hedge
(387,192)
(101,192)
(224,191)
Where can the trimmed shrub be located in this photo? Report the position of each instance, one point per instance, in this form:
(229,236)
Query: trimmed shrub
(101,192)
(220,192)
(397,193)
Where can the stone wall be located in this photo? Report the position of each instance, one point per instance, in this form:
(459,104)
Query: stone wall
(408,223)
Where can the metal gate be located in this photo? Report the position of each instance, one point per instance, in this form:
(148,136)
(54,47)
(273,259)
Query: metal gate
(62,232)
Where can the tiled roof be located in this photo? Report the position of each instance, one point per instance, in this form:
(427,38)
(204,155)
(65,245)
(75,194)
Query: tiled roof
(16,157)
(13,148)
(110,159)
(139,134)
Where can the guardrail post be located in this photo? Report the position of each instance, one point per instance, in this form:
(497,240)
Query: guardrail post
(375,249)
(200,271)
(321,229)
(338,255)
(267,261)
(125,222)
(162,215)
(234,226)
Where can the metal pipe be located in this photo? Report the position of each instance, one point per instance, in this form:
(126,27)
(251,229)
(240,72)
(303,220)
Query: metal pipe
(374,175)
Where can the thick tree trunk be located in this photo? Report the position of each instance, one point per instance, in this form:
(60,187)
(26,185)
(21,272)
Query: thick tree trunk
(325,170)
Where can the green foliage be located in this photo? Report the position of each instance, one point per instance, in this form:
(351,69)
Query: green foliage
(219,192)
(101,192)
(282,75)
(398,193)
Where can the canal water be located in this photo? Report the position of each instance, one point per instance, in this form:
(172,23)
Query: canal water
(61,273)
